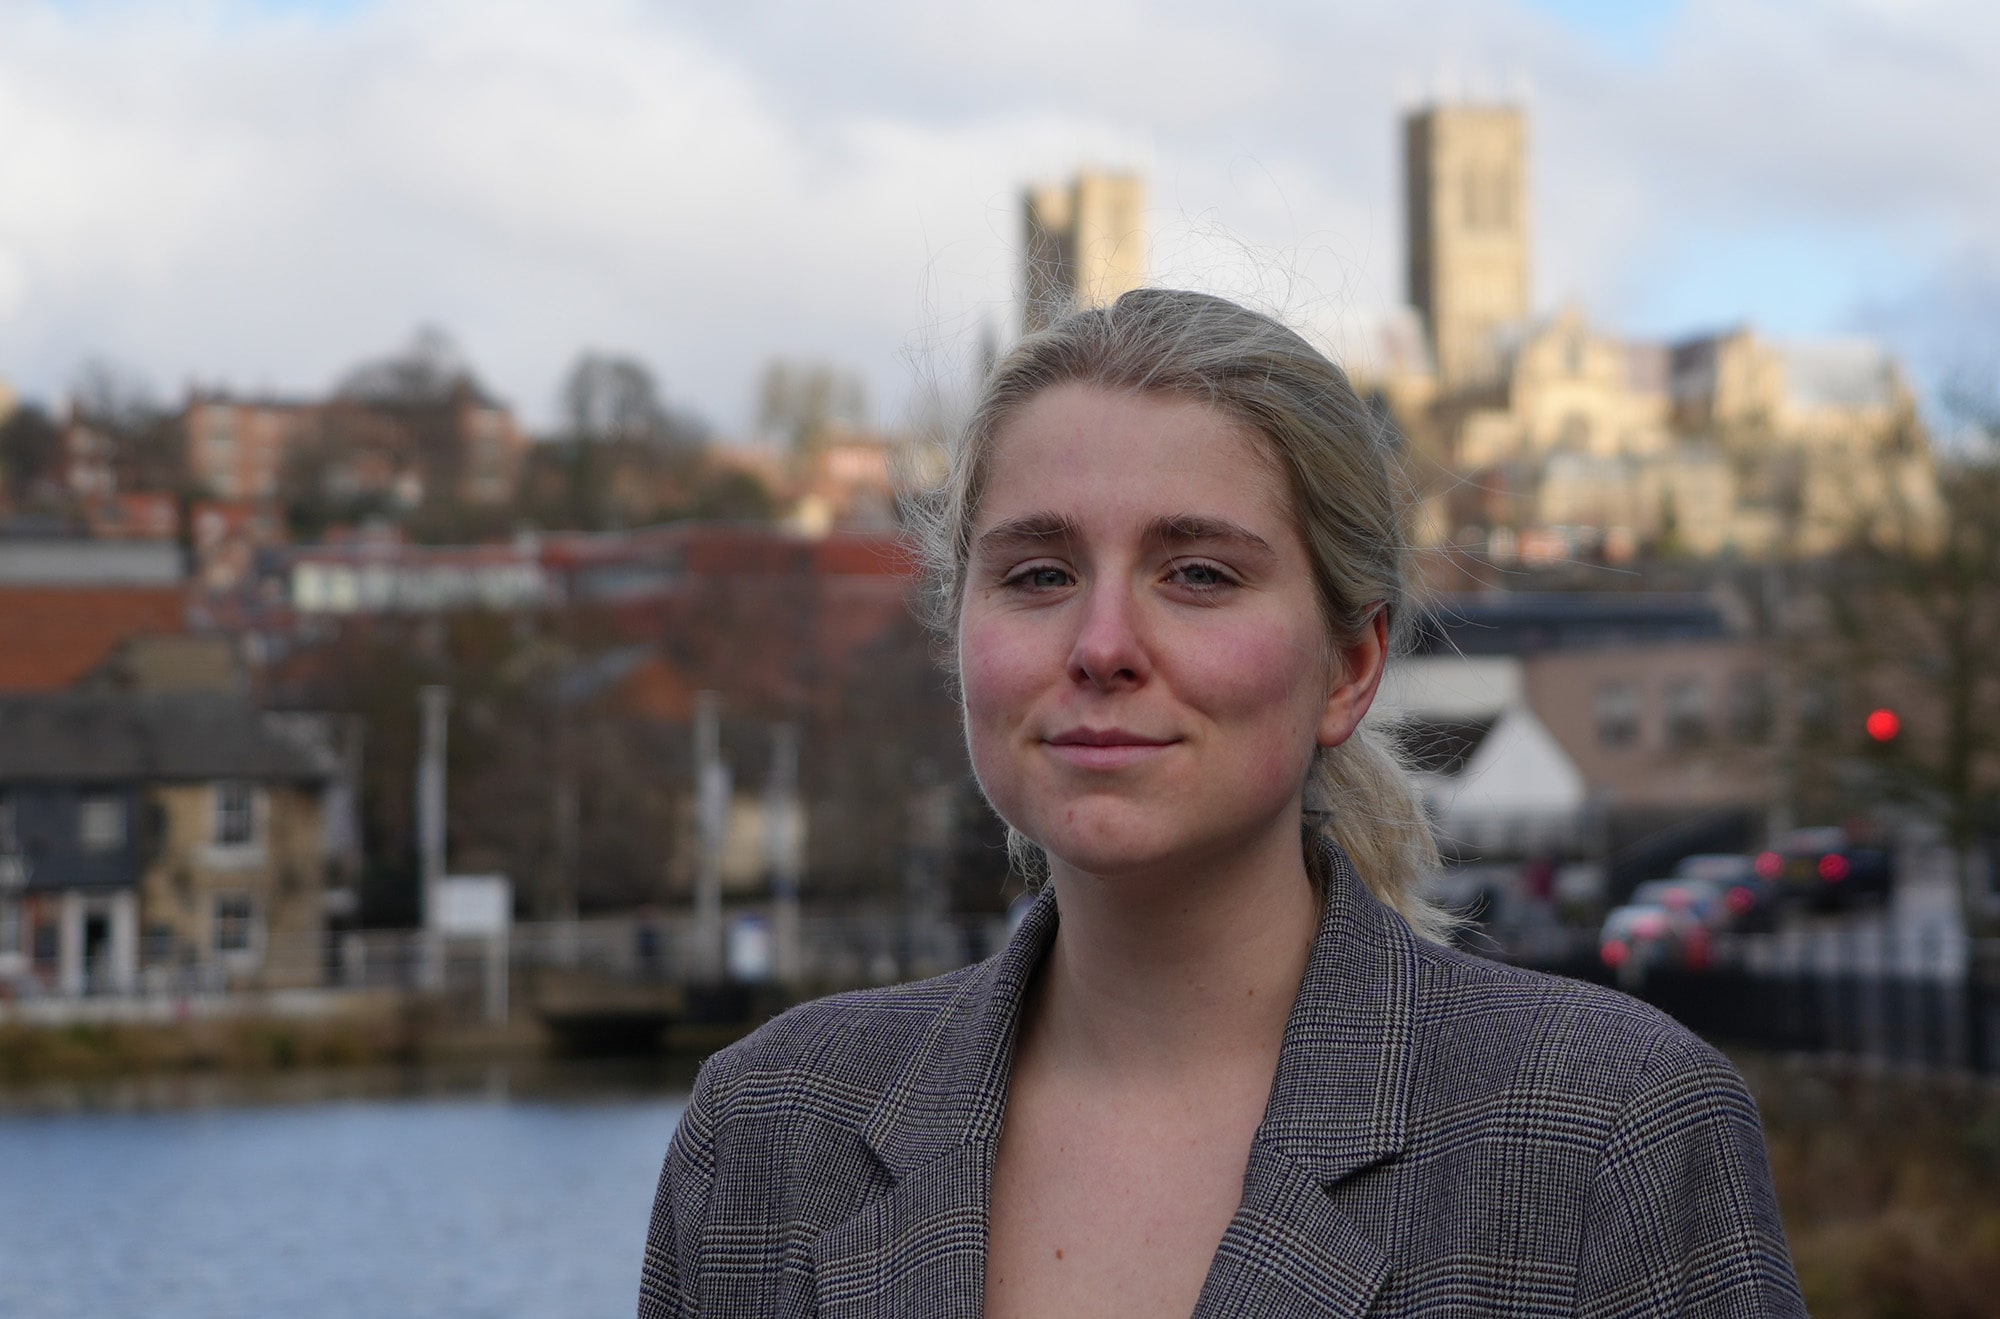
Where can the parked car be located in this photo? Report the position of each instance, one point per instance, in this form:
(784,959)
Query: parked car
(1699,898)
(1752,900)
(1641,937)
(1822,868)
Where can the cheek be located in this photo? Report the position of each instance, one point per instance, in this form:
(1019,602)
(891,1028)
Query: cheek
(1270,685)
(1000,671)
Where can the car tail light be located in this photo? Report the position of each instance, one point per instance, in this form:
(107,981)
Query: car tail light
(1615,953)
(1648,927)
(1833,867)
(1770,865)
(1740,900)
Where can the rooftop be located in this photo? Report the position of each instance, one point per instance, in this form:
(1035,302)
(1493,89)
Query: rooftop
(112,738)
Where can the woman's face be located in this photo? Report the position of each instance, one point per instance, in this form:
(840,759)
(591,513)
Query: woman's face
(1143,658)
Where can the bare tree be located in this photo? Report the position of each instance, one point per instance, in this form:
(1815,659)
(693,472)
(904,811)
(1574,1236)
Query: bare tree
(1913,608)
(800,403)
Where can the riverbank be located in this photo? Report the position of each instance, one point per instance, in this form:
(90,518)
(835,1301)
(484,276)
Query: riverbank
(376,1040)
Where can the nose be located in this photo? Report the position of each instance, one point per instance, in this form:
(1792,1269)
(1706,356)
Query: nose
(1110,647)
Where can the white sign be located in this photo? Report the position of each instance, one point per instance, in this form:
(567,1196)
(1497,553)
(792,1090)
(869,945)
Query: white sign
(750,948)
(474,905)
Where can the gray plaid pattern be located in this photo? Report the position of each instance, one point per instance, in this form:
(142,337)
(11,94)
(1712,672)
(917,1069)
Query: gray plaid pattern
(1445,1136)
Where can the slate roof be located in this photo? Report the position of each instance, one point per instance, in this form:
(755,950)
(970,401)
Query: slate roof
(121,738)
(1529,622)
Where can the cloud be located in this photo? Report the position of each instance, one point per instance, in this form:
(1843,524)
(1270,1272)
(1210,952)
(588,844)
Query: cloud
(261,195)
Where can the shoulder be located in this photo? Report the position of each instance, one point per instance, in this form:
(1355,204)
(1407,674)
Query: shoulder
(1597,1047)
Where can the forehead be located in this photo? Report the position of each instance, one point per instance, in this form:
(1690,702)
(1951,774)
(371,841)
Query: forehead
(1084,448)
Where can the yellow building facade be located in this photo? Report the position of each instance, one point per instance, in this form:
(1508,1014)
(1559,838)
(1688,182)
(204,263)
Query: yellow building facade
(1085,244)
(1466,206)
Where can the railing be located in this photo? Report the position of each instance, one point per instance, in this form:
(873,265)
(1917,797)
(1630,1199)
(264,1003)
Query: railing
(834,952)
(1908,997)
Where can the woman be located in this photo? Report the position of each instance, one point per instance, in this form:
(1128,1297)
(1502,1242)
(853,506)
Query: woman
(1227,1065)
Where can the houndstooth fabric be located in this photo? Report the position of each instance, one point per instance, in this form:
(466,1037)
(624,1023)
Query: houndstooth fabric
(1445,1136)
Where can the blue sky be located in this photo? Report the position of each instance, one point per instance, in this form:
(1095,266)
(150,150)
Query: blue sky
(256,193)
(1631,29)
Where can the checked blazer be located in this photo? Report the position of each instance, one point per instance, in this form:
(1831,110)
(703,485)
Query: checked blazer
(1445,1136)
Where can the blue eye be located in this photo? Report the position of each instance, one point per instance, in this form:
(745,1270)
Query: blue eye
(1043,577)
(1201,576)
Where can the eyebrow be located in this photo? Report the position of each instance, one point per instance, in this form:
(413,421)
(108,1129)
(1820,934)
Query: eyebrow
(1028,529)
(1182,529)
(1174,531)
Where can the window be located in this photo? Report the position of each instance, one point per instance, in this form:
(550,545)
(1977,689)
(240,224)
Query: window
(1750,708)
(235,814)
(235,923)
(10,927)
(10,840)
(100,824)
(1687,712)
(1617,712)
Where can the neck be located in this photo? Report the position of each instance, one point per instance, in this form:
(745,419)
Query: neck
(1164,977)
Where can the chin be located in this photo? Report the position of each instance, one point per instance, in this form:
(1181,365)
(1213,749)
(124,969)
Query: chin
(1125,851)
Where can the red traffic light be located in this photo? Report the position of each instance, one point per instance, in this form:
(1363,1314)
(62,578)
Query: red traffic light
(1883,725)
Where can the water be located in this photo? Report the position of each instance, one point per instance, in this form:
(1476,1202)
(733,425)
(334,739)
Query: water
(511,1200)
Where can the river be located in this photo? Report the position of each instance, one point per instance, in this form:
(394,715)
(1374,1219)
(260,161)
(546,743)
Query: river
(492,1192)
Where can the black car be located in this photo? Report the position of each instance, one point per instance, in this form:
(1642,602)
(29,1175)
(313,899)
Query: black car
(1823,869)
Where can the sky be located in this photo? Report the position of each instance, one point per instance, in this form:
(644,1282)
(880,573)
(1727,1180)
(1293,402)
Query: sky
(257,194)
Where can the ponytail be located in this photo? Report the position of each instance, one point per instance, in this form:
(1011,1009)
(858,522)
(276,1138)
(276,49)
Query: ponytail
(1360,798)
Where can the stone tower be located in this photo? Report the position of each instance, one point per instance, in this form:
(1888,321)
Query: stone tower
(1086,244)
(1465,171)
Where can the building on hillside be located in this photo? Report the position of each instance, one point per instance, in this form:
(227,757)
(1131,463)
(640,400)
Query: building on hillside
(1085,244)
(86,465)
(1547,439)
(462,446)
(1465,171)
(239,448)
(161,841)
(1726,445)
(850,485)
(394,578)
(135,515)
(226,539)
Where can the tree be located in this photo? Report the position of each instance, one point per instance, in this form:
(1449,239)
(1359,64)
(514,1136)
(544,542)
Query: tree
(1913,613)
(30,444)
(625,455)
(146,448)
(800,403)
(426,372)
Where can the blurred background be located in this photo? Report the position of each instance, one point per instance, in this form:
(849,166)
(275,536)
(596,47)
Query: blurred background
(455,668)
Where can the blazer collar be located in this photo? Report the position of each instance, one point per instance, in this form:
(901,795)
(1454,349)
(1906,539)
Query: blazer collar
(1338,1104)
(1339,1101)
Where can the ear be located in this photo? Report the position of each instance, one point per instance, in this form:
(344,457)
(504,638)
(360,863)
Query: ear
(1361,666)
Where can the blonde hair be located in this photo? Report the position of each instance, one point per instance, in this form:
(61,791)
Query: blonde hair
(1347,503)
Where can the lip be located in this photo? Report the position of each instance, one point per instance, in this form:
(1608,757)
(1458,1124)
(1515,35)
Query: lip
(1105,748)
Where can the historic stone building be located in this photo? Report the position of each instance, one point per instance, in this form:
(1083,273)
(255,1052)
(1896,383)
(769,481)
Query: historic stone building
(1085,244)
(1551,439)
(1466,203)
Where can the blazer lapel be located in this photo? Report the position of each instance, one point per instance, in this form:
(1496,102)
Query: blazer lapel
(1339,1105)
(920,1248)
(1288,1251)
